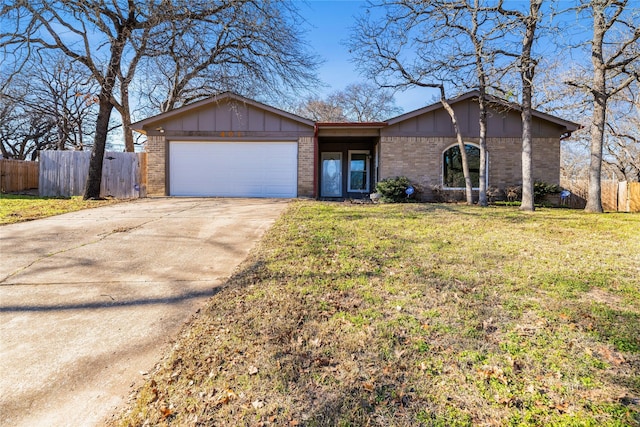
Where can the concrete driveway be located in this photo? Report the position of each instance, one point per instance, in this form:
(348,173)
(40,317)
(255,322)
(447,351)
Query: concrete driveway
(90,300)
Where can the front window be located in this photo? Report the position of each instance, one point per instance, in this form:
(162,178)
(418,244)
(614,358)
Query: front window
(453,176)
(358,171)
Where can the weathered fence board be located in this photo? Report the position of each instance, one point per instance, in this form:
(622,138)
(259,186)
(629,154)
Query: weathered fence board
(633,192)
(18,175)
(64,174)
(629,196)
(623,196)
(609,195)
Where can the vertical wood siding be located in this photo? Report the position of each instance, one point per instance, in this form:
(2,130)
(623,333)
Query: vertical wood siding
(64,174)
(18,175)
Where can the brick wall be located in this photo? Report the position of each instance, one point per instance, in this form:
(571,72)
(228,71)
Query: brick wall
(546,160)
(305,166)
(156,165)
(420,160)
(505,161)
(417,158)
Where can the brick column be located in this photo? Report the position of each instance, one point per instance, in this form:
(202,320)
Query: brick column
(156,165)
(305,166)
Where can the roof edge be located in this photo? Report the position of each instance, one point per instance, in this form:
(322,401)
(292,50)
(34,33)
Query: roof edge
(351,124)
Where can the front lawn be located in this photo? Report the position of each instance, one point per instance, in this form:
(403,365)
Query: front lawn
(18,208)
(408,315)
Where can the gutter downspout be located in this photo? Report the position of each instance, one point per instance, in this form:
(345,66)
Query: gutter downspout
(315,160)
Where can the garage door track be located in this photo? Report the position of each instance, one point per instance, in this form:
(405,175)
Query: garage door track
(90,300)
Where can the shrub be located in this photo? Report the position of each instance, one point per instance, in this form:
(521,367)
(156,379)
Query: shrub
(493,193)
(541,189)
(393,190)
(513,193)
(437,193)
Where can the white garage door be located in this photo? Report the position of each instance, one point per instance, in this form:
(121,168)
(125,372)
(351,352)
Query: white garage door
(233,169)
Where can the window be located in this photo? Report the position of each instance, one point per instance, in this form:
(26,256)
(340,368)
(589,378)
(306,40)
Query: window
(453,176)
(358,171)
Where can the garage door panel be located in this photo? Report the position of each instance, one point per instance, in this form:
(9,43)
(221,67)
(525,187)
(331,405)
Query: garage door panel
(238,169)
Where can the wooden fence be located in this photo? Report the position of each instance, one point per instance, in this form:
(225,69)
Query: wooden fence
(64,173)
(616,196)
(18,175)
(629,196)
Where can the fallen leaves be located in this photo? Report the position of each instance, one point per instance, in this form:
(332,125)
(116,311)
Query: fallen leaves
(611,356)
(166,412)
(492,372)
(225,397)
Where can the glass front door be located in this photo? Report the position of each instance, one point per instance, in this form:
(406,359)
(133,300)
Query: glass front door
(331,182)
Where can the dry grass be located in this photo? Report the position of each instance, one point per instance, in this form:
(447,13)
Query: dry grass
(406,315)
(19,208)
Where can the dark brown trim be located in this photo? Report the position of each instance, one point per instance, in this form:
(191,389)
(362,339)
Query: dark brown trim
(316,151)
(167,165)
(351,124)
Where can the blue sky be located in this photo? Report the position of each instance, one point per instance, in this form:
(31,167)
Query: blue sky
(329,23)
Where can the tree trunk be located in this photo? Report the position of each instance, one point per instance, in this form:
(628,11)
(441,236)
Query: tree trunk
(527,163)
(463,152)
(599,90)
(125,114)
(482,196)
(594,196)
(527,71)
(94,178)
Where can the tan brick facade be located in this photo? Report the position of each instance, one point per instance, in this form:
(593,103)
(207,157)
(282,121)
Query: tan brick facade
(305,166)
(505,161)
(414,157)
(156,148)
(420,160)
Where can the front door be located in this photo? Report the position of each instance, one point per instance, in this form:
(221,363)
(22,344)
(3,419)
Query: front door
(331,172)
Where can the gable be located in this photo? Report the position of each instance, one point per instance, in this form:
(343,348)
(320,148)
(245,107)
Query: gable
(503,121)
(227,113)
(232,116)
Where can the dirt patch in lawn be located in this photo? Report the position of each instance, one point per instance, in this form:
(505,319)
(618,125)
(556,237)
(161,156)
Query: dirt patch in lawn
(414,315)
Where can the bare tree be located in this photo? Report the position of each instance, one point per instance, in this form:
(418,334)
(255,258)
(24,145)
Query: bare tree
(111,38)
(67,95)
(365,102)
(252,47)
(615,62)
(440,44)
(527,22)
(358,102)
(321,111)
(50,105)
(22,131)
(398,51)
(475,27)
(622,138)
